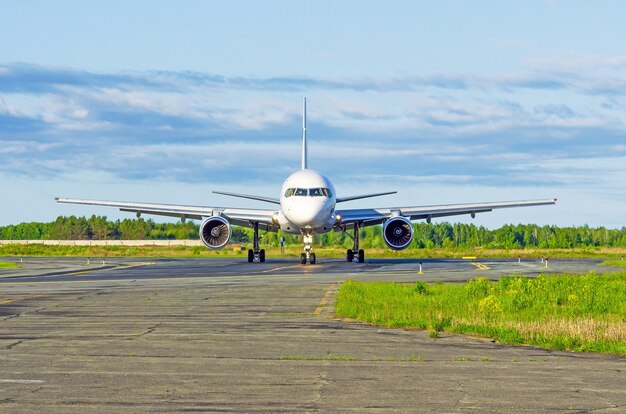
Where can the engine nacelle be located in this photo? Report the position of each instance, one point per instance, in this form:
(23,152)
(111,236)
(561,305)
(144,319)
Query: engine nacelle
(215,232)
(398,232)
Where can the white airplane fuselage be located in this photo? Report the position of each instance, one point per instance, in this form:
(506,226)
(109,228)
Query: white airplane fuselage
(307,204)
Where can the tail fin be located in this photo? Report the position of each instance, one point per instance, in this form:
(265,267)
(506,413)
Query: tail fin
(304,149)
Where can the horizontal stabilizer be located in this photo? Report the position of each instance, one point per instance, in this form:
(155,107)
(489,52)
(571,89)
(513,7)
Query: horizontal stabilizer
(358,197)
(251,197)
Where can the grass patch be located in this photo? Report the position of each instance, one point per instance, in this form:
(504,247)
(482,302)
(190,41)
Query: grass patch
(8,265)
(618,263)
(317,358)
(565,312)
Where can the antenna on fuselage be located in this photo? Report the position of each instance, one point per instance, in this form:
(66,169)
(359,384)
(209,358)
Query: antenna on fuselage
(304,151)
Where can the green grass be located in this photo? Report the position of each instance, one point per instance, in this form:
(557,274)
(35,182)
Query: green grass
(8,265)
(293,251)
(317,358)
(566,312)
(618,263)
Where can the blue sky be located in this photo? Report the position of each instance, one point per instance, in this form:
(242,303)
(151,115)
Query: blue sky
(446,102)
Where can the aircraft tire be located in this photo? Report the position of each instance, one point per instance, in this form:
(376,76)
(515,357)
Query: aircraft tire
(303,258)
(250,256)
(262,256)
(312,258)
(361,256)
(350,255)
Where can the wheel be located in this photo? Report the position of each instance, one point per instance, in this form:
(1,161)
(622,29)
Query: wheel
(303,258)
(361,256)
(250,256)
(262,256)
(350,255)
(312,258)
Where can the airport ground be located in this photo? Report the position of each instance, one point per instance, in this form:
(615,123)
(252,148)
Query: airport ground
(222,335)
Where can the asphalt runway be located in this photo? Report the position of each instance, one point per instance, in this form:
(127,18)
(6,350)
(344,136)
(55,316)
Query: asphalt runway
(223,335)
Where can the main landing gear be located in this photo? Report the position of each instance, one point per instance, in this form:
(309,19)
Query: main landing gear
(256,254)
(355,252)
(308,255)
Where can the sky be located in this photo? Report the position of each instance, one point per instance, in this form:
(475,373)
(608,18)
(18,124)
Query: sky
(445,102)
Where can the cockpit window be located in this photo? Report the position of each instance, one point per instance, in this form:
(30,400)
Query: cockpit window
(313,192)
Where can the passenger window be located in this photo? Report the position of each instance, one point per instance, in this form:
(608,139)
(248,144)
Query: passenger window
(315,192)
(301,191)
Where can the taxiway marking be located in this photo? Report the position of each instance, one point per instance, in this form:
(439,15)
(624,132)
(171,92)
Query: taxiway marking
(481,266)
(21,381)
(280,268)
(324,301)
(4,302)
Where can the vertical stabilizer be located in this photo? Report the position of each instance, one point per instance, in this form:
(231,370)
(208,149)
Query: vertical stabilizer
(304,150)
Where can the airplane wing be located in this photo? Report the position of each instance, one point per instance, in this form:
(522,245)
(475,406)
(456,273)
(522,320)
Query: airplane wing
(371,216)
(236,216)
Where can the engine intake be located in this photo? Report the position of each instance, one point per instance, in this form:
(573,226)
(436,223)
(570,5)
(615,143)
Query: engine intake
(398,233)
(215,232)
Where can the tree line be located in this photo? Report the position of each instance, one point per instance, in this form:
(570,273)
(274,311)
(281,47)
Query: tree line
(433,235)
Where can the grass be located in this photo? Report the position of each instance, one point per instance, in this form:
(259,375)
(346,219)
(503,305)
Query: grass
(410,358)
(293,251)
(317,358)
(8,265)
(565,312)
(618,263)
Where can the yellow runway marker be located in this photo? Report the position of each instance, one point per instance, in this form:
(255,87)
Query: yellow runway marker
(4,302)
(481,266)
(324,301)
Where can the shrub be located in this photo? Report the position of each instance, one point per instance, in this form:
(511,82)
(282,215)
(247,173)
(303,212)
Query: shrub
(478,288)
(420,288)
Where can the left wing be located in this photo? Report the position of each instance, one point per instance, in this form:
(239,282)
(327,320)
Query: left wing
(371,216)
(237,216)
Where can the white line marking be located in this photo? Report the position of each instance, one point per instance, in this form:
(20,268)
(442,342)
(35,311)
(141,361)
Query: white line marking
(279,268)
(21,381)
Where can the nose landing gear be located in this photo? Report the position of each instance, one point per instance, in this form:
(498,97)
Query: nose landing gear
(308,255)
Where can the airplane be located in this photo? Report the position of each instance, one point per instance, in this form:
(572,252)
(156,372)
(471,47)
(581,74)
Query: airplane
(307,205)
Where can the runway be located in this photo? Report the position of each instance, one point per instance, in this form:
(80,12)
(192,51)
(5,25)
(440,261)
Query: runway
(147,335)
(76,272)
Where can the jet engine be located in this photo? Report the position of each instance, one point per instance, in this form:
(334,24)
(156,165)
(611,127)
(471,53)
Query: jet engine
(398,232)
(215,232)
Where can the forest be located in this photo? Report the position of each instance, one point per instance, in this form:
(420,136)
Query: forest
(433,235)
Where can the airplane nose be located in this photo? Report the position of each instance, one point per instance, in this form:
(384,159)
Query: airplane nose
(306,215)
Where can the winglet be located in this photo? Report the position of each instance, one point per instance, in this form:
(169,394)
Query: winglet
(304,149)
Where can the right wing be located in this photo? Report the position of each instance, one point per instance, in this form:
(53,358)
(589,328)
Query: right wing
(371,216)
(237,216)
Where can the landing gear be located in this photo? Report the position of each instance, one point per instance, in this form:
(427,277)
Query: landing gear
(355,251)
(308,255)
(256,253)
